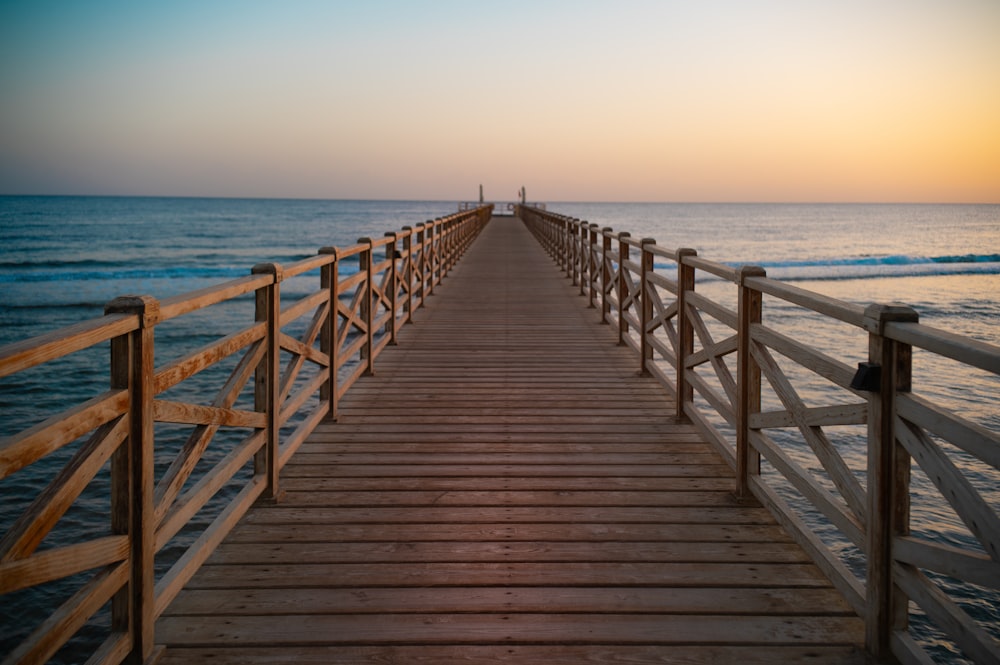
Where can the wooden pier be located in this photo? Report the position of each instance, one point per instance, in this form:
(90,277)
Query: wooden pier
(571,450)
(508,488)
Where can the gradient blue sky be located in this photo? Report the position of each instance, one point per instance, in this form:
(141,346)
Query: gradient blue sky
(718,100)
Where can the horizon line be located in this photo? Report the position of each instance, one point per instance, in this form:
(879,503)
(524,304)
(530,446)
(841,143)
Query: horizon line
(511,200)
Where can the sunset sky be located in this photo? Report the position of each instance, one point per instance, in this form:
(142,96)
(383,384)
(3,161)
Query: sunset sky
(624,100)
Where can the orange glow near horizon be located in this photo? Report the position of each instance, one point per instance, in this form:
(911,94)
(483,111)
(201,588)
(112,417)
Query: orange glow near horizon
(639,101)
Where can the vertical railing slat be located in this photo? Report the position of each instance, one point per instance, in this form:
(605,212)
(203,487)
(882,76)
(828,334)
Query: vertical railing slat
(606,274)
(408,272)
(366,264)
(645,305)
(329,281)
(888,478)
(392,281)
(623,292)
(685,330)
(132,368)
(749,312)
(592,264)
(266,384)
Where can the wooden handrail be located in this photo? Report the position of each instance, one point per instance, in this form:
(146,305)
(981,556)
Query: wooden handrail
(676,344)
(348,319)
(29,353)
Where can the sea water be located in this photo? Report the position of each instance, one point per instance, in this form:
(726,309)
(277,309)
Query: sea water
(63,258)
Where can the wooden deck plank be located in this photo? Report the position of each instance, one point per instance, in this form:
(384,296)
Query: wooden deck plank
(566,654)
(493,551)
(437,573)
(562,484)
(510,470)
(511,628)
(597,497)
(507,489)
(562,600)
(592,532)
(510,514)
(704,456)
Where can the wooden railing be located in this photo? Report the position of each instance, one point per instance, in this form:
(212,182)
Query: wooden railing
(272,387)
(752,390)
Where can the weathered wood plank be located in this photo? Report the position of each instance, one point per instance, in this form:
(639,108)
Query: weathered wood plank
(497,438)
(508,514)
(511,470)
(470,458)
(594,498)
(350,445)
(624,600)
(595,532)
(496,551)
(473,654)
(386,485)
(294,574)
(511,628)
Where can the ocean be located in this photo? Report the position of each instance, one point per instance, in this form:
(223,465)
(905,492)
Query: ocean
(63,258)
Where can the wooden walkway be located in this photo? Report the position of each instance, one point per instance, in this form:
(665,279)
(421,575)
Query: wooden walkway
(508,489)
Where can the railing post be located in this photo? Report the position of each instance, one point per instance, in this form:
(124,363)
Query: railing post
(581,243)
(550,229)
(329,344)
(444,233)
(571,251)
(646,305)
(592,262)
(366,264)
(562,238)
(447,243)
(421,265)
(447,226)
(573,229)
(563,245)
(685,331)
(408,270)
(431,253)
(132,479)
(392,279)
(566,245)
(454,227)
(461,236)
(622,284)
(888,478)
(749,312)
(268,375)
(469,227)
(606,282)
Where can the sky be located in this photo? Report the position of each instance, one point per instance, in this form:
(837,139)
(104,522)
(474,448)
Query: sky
(624,100)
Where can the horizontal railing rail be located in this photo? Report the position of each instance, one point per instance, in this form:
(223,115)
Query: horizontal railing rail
(837,450)
(179,449)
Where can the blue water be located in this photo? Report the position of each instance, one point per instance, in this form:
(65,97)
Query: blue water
(63,258)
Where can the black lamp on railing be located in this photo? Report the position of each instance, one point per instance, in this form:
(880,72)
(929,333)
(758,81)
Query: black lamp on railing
(867,378)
